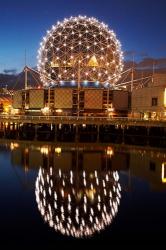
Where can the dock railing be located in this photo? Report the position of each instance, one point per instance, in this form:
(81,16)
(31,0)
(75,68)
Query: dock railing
(82,120)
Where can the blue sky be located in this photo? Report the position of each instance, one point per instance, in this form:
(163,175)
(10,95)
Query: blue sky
(139,24)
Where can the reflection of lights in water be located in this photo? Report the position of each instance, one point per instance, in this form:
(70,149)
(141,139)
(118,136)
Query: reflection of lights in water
(58,150)
(13,145)
(110,151)
(44,150)
(77,209)
(163,172)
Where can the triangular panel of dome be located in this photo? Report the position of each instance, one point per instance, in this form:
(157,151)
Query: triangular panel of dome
(54,63)
(93,62)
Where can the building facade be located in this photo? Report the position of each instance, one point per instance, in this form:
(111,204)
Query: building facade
(5,103)
(150,102)
(72,101)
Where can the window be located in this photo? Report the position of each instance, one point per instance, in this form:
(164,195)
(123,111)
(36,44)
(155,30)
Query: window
(154,101)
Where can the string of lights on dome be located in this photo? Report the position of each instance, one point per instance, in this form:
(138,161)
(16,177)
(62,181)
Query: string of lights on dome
(80,49)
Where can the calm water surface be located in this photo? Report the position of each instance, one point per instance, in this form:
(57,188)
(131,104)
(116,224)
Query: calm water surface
(54,193)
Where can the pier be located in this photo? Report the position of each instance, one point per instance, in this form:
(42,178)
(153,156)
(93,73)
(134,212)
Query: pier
(80,120)
(121,130)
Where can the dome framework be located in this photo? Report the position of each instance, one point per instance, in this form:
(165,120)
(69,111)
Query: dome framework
(80,49)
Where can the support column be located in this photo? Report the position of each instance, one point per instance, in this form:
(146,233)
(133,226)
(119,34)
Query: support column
(35,132)
(4,130)
(55,133)
(17,131)
(76,134)
(123,134)
(98,133)
(148,133)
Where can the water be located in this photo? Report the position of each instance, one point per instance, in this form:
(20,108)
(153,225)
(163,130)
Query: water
(58,193)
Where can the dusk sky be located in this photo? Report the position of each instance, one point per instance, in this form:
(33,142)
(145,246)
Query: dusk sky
(140,25)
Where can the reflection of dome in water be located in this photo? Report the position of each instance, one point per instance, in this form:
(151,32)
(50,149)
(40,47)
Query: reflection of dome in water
(77,204)
(80,49)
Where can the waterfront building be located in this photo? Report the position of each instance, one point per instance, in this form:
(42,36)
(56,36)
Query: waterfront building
(94,101)
(150,101)
(80,62)
(5,103)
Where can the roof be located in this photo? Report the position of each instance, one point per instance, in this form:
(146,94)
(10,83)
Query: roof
(5,98)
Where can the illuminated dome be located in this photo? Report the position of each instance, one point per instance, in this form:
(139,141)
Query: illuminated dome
(80,49)
(77,204)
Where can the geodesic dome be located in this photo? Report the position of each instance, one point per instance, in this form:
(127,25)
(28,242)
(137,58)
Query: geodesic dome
(80,49)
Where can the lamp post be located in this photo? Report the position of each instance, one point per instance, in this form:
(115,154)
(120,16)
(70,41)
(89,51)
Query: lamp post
(80,59)
(78,90)
(49,99)
(108,92)
(110,110)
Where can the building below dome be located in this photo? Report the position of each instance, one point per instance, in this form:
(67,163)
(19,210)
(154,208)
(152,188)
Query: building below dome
(71,101)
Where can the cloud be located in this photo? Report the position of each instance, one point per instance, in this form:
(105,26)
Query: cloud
(143,54)
(130,64)
(131,53)
(162,48)
(147,63)
(10,71)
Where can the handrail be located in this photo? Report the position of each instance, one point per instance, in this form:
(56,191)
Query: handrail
(74,118)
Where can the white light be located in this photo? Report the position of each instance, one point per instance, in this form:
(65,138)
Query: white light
(55,196)
(62,193)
